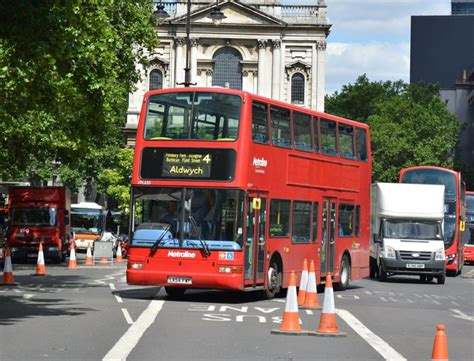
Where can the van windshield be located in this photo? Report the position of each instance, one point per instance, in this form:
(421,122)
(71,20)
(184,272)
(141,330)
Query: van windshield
(407,229)
(41,216)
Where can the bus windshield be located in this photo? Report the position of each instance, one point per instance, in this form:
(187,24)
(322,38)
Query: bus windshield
(470,204)
(192,115)
(84,220)
(188,217)
(412,230)
(433,176)
(469,236)
(44,216)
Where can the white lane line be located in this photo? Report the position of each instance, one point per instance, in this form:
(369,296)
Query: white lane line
(461,315)
(118,298)
(127,316)
(379,345)
(130,339)
(112,286)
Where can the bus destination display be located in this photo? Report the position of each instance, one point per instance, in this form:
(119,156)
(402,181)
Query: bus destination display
(187,165)
(179,163)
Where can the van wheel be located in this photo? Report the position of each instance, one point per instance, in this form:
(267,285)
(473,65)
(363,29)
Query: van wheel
(372,267)
(382,274)
(441,279)
(274,281)
(345,274)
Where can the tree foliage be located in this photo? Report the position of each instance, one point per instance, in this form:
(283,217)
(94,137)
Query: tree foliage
(409,124)
(66,69)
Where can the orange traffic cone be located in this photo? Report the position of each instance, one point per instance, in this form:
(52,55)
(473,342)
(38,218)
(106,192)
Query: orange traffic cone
(291,320)
(118,255)
(89,260)
(327,323)
(72,258)
(40,266)
(440,345)
(311,300)
(8,270)
(303,283)
(104,260)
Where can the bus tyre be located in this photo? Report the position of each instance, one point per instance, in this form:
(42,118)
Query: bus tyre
(441,279)
(345,272)
(382,274)
(274,281)
(175,292)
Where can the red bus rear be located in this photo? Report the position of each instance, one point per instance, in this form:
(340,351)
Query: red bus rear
(232,190)
(469,237)
(455,202)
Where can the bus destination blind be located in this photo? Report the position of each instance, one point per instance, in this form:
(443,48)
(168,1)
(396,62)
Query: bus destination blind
(186,165)
(198,164)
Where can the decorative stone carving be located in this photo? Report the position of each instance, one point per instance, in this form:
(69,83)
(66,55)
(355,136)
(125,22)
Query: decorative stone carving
(276,44)
(180,41)
(194,42)
(321,45)
(158,64)
(298,67)
(209,72)
(261,43)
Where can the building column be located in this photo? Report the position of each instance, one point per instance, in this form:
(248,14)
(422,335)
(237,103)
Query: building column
(276,72)
(261,65)
(194,45)
(320,83)
(179,71)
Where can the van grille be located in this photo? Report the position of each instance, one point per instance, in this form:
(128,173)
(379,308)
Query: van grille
(408,256)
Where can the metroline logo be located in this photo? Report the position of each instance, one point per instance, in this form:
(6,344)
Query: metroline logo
(181,254)
(260,162)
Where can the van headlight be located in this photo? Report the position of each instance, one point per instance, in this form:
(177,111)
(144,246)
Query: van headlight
(439,255)
(389,252)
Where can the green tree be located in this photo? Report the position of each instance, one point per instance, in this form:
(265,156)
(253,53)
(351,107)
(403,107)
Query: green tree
(66,69)
(409,124)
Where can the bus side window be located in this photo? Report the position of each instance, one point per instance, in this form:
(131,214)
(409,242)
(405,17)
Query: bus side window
(301,222)
(328,137)
(346,220)
(361,144)
(316,134)
(302,131)
(346,141)
(315,221)
(259,123)
(357,221)
(281,131)
(279,218)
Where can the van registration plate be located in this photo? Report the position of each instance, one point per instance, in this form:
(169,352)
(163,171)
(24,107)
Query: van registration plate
(180,280)
(415,265)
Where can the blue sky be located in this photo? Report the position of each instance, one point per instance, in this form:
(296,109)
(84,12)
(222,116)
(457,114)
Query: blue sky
(372,37)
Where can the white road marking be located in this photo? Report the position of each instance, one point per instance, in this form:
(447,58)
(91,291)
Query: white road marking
(112,286)
(118,298)
(462,315)
(130,339)
(28,296)
(379,345)
(127,316)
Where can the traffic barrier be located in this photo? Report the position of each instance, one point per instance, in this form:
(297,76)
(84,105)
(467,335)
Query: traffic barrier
(72,258)
(290,324)
(311,300)
(40,266)
(118,255)
(89,261)
(440,345)
(8,279)
(303,283)
(327,322)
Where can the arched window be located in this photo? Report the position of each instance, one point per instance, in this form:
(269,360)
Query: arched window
(156,79)
(227,68)
(297,88)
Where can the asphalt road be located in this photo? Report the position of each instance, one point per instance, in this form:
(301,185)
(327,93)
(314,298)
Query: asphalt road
(90,313)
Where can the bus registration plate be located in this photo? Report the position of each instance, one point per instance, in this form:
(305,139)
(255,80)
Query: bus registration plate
(180,280)
(415,265)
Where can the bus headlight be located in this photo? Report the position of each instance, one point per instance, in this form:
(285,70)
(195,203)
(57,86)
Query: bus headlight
(134,265)
(451,257)
(439,255)
(389,252)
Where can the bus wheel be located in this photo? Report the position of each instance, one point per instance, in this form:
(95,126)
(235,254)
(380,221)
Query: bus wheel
(274,281)
(175,292)
(345,272)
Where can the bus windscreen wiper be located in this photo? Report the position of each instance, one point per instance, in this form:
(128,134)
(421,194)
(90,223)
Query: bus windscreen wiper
(158,241)
(204,245)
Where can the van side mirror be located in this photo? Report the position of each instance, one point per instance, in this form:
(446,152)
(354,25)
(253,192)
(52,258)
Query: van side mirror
(377,239)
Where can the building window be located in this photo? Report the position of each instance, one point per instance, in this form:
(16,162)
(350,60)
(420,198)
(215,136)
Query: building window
(227,68)
(297,88)
(156,79)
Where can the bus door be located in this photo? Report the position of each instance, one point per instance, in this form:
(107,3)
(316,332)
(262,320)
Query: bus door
(328,235)
(255,240)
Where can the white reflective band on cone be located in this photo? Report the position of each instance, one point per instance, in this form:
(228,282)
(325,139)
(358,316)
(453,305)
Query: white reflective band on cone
(304,280)
(291,300)
(328,305)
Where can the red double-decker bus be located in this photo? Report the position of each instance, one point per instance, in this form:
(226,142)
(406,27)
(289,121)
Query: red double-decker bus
(454,212)
(469,236)
(232,190)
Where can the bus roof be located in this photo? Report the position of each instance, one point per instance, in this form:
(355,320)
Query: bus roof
(87,205)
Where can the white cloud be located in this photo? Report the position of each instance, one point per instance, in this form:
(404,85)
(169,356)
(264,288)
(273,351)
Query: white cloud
(380,61)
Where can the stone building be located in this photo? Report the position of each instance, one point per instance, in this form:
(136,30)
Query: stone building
(261,46)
